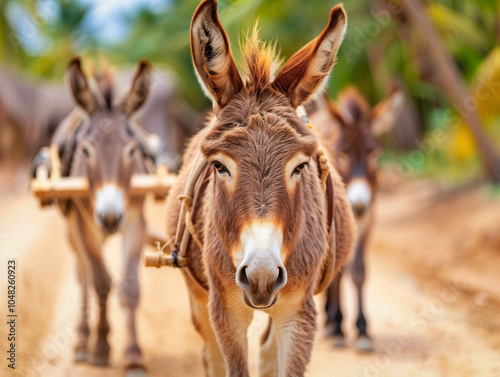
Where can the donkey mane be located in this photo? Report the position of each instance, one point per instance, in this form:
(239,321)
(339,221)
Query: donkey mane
(260,61)
(104,77)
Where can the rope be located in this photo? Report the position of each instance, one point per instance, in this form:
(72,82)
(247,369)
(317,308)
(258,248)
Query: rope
(188,202)
(160,253)
(324,168)
(171,240)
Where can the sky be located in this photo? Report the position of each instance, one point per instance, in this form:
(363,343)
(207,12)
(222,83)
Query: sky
(104,18)
(105,21)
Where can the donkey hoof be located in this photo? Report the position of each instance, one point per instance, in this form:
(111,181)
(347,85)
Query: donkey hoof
(80,354)
(135,367)
(364,344)
(136,373)
(99,360)
(338,340)
(100,357)
(330,331)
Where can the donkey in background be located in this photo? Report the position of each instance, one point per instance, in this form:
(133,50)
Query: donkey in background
(30,113)
(262,218)
(100,141)
(351,129)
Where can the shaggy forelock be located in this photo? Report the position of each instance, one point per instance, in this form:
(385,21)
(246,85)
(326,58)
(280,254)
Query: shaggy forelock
(270,113)
(260,61)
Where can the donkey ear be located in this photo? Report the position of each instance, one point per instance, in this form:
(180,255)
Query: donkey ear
(79,88)
(138,93)
(344,118)
(384,114)
(212,57)
(307,71)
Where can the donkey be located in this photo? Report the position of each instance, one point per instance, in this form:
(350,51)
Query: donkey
(107,150)
(30,113)
(351,128)
(260,217)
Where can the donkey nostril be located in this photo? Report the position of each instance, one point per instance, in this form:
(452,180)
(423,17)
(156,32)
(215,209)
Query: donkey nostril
(359,208)
(242,279)
(111,221)
(280,281)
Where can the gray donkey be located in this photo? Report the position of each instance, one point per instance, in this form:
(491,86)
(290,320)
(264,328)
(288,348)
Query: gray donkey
(100,141)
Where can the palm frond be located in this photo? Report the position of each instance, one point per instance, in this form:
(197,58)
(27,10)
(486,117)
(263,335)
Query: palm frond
(456,28)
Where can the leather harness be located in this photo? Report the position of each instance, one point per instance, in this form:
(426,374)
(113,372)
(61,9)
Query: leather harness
(173,252)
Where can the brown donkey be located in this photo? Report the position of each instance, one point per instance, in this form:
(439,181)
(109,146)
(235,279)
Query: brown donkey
(352,128)
(107,150)
(260,216)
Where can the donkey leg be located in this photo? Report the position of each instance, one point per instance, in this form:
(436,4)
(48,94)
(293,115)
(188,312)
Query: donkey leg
(133,241)
(102,285)
(333,326)
(230,326)
(295,330)
(212,358)
(83,330)
(268,360)
(364,343)
(91,250)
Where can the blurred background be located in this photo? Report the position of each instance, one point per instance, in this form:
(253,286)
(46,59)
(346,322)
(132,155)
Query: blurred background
(384,47)
(438,216)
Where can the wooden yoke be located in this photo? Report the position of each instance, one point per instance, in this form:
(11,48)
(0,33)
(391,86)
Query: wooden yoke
(56,187)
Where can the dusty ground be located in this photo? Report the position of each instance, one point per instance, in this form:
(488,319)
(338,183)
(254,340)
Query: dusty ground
(433,294)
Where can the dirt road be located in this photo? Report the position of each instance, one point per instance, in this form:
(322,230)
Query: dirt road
(433,295)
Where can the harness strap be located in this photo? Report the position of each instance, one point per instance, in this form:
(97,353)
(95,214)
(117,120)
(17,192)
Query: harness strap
(188,202)
(173,253)
(183,230)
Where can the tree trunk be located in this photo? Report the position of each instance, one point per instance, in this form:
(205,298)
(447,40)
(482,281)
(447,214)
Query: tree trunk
(454,86)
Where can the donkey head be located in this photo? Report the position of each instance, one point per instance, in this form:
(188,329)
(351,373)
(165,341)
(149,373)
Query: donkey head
(259,148)
(357,149)
(108,150)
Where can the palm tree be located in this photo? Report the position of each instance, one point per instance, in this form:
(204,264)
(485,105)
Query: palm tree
(454,86)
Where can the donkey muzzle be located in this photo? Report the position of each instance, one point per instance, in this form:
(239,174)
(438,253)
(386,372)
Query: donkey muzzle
(110,221)
(261,277)
(109,211)
(261,273)
(359,194)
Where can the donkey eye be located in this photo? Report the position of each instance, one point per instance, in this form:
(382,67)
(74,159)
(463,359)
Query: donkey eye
(86,152)
(220,168)
(299,168)
(130,149)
